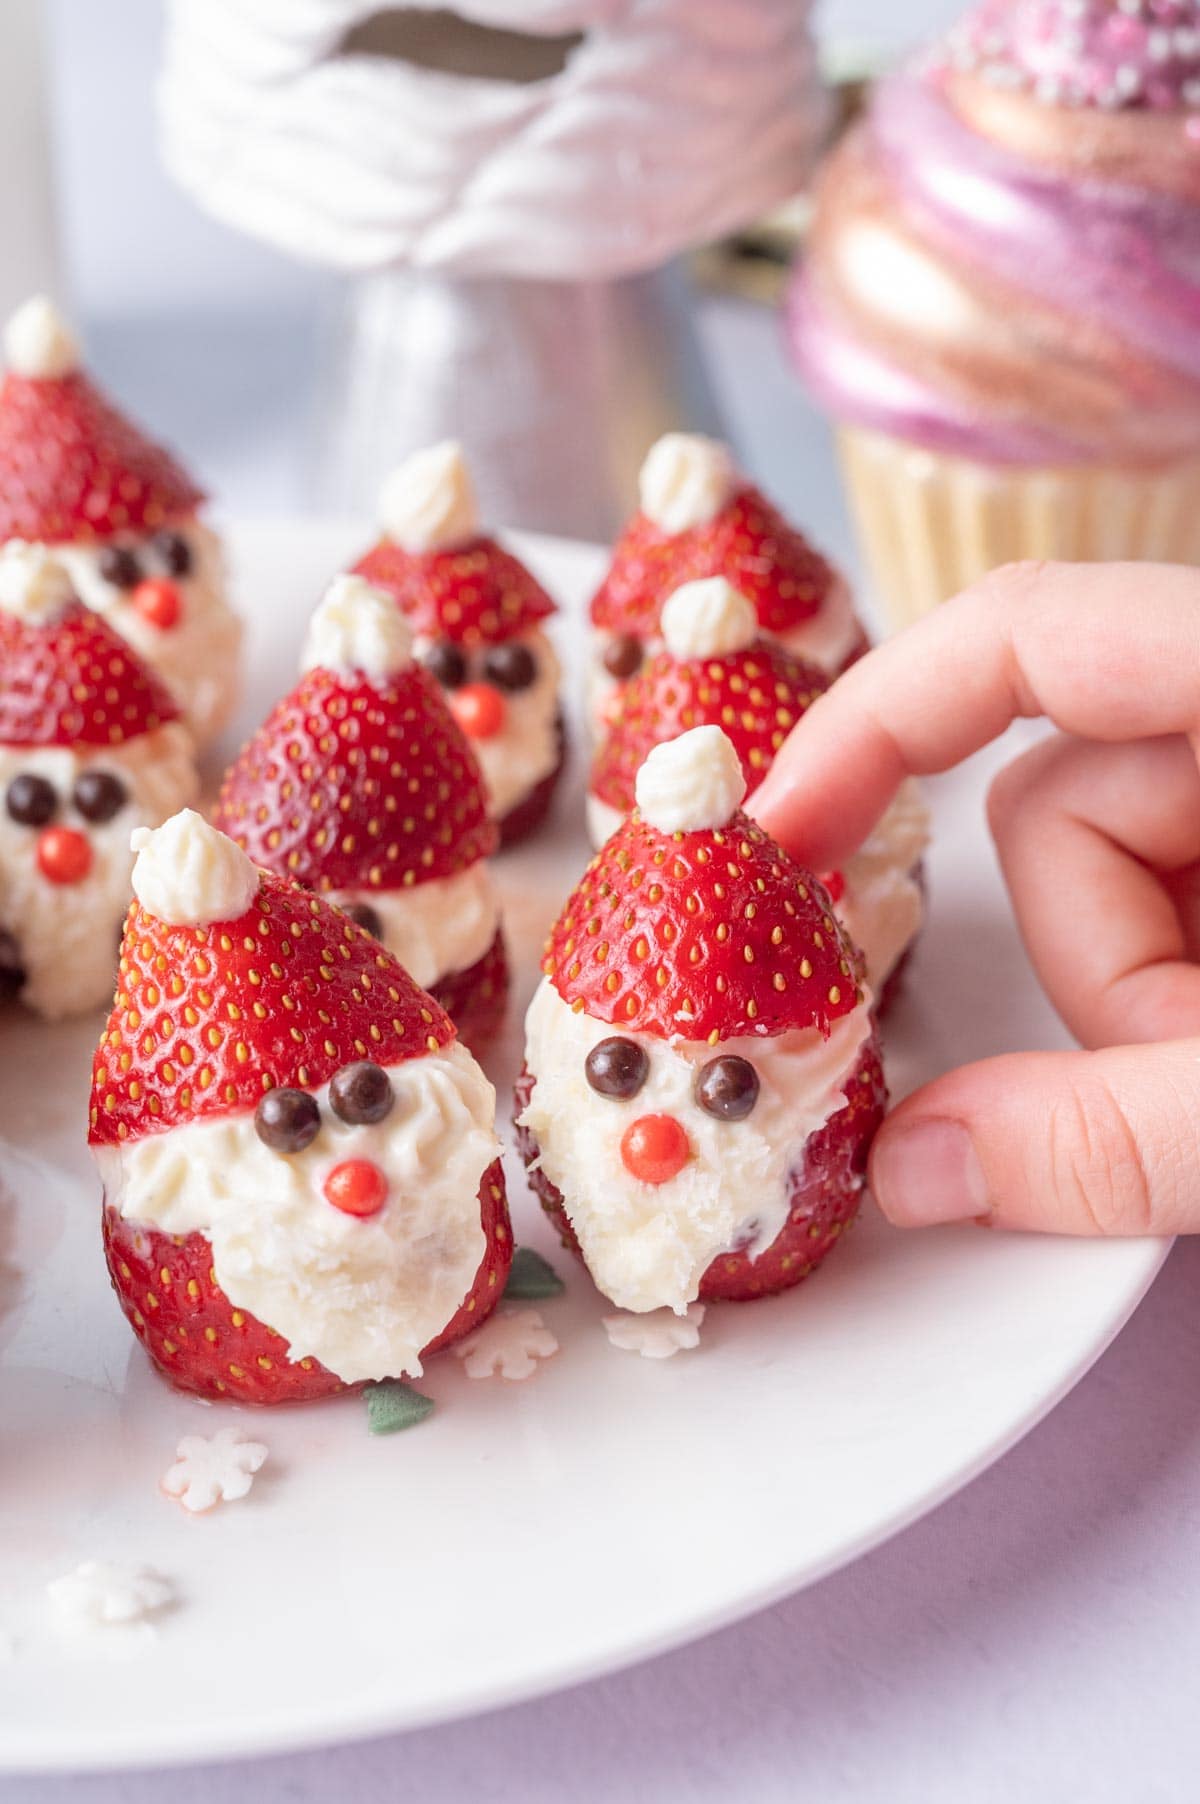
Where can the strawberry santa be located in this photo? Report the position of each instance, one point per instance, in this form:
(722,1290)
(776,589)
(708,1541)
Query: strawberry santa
(478,617)
(90,748)
(702,1073)
(699,517)
(300,1166)
(715,668)
(361,785)
(120,513)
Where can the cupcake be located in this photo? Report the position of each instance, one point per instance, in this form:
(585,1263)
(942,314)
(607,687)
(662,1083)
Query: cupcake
(361,786)
(698,517)
(120,513)
(91,748)
(1000,303)
(702,1074)
(478,617)
(716,669)
(302,1188)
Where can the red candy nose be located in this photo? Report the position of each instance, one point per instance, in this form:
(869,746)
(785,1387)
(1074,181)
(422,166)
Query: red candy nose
(356,1187)
(479,709)
(63,856)
(157,601)
(654,1148)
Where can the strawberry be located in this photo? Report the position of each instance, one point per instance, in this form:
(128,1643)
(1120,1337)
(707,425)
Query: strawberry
(748,542)
(823,1196)
(706,934)
(169,1293)
(351,784)
(757,695)
(473,595)
(73,468)
(207,1020)
(70,680)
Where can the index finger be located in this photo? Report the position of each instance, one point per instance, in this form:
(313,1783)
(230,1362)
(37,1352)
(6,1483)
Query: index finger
(1106,651)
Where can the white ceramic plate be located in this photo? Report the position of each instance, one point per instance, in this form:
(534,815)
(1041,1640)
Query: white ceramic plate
(526,1535)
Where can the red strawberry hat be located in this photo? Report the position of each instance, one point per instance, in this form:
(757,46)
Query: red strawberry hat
(65,676)
(360,778)
(692,921)
(699,518)
(233,981)
(452,581)
(71,466)
(714,671)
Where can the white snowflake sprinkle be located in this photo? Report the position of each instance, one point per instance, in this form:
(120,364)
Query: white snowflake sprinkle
(213,1469)
(509,1345)
(659,1334)
(103,1593)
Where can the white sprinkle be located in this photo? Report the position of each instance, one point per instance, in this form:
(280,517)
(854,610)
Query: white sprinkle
(658,1334)
(216,1469)
(104,1593)
(509,1345)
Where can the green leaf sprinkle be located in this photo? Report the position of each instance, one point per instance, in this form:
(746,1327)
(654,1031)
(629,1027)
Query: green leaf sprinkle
(393,1405)
(532,1277)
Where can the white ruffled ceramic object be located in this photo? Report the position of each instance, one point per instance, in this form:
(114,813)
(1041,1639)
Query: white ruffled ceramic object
(562,139)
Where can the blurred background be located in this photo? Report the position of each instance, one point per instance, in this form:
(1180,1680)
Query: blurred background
(225,346)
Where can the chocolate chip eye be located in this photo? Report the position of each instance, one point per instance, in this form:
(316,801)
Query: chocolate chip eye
(362,1094)
(119,567)
(727,1088)
(512,666)
(447,663)
(287,1120)
(31,800)
(363,915)
(617,1068)
(98,795)
(175,553)
(623,657)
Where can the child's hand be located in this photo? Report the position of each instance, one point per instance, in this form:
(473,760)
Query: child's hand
(1098,831)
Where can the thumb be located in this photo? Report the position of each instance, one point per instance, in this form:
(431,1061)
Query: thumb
(1071,1142)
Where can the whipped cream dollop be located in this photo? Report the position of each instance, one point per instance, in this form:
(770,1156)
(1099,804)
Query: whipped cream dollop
(361,1295)
(34,583)
(357,629)
(686,480)
(66,933)
(647,1246)
(436,928)
(708,618)
(38,343)
(190,874)
(691,784)
(428,502)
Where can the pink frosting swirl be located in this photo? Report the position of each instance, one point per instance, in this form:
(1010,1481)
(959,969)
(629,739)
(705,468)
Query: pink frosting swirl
(1005,259)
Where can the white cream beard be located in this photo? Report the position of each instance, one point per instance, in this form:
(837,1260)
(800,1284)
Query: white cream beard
(882,905)
(828,638)
(647,1246)
(435,928)
(198,657)
(67,933)
(361,1295)
(515,760)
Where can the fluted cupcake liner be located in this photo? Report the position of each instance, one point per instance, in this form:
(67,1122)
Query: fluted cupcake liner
(930,524)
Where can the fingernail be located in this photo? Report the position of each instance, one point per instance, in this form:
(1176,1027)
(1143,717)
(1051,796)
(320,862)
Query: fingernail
(928,1173)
